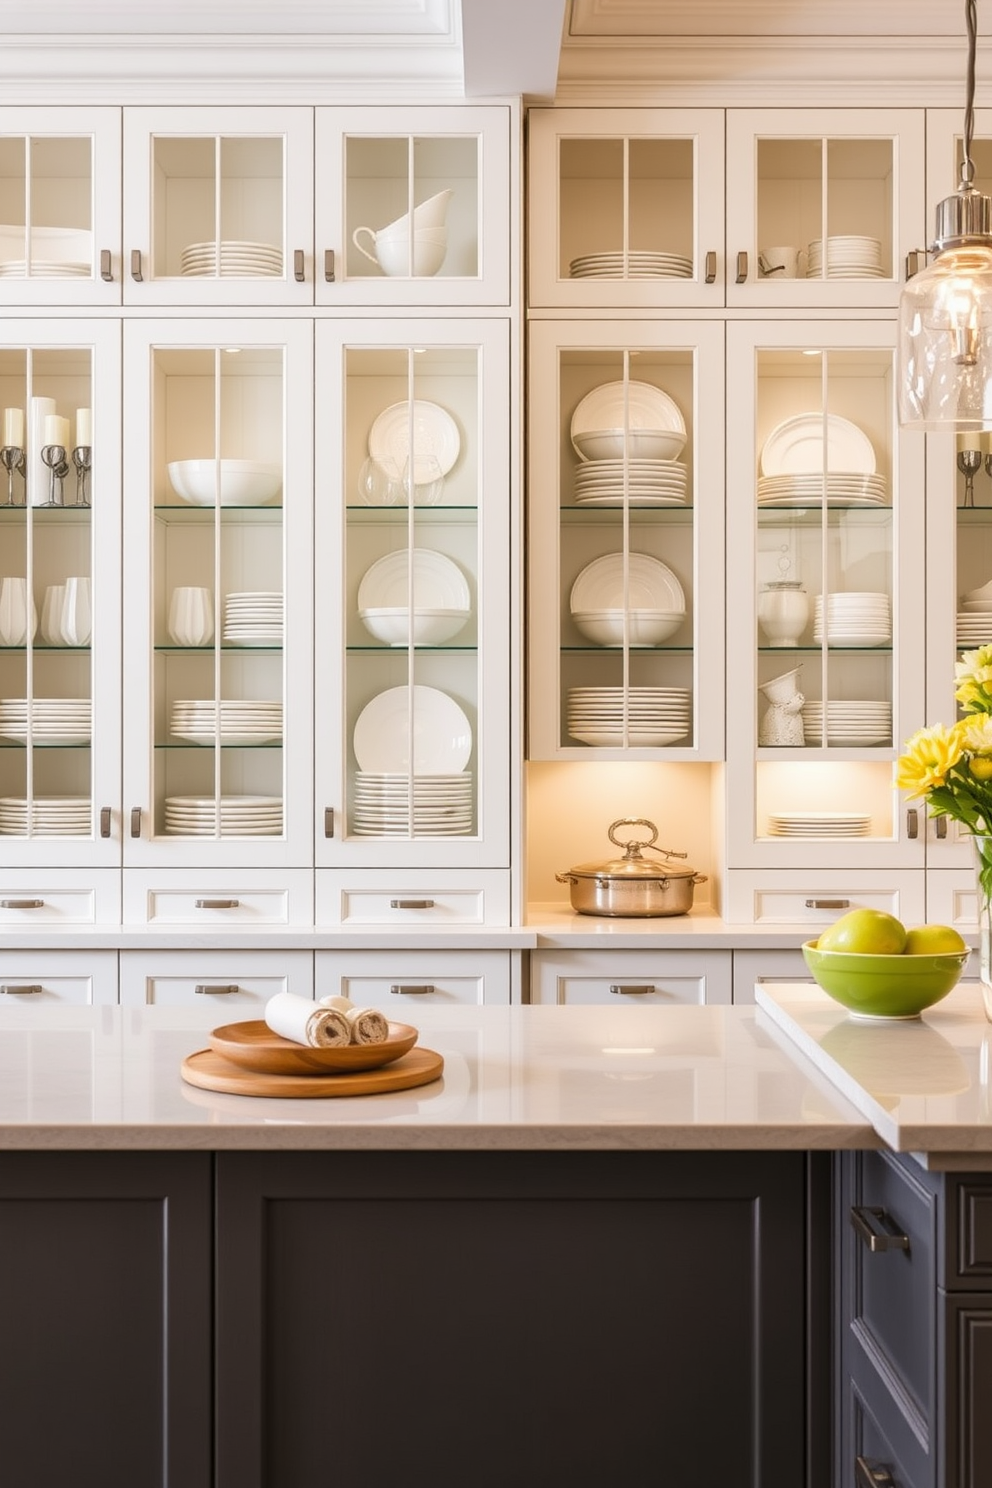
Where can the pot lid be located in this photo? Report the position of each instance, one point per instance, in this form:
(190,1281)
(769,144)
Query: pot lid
(632,866)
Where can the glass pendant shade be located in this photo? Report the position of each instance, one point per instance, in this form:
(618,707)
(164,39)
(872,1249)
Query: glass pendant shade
(945,342)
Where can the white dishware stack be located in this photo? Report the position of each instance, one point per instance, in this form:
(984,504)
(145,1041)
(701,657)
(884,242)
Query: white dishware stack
(645,602)
(77,612)
(636,263)
(242,721)
(849,618)
(18,615)
(412,446)
(240,816)
(847,256)
(974,617)
(191,615)
(629,437)
(239,482)
(815,457)
(633,718)
(254,618)
(825,824)
(51,720)
(238,260)
(397,251)
(436,797)
(847,722)
(55,253)
(441,598)
(46,816)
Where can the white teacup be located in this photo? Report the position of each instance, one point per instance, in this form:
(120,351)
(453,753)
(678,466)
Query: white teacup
(191,616)
(391,250)
(781,263)
(430,213)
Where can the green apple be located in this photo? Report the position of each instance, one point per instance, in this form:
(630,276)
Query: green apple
(933,940)
(868,932)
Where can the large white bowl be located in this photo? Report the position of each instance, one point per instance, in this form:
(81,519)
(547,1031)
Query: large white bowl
(644,627)
(641,444)
(431,627)
(242,482)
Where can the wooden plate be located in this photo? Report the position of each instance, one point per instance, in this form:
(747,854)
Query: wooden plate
(254,1046)
(209,1071)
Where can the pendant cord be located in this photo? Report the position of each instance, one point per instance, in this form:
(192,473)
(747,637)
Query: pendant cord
(967,164)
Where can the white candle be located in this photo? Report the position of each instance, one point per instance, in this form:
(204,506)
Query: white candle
(969,441)
(13,427)
(56,429)
(84,426)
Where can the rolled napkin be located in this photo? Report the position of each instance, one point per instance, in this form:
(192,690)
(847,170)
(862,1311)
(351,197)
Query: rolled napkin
(367,1025)
(300,1020)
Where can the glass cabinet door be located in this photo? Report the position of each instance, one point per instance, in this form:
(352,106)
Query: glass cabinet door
(59,599)
(626,207)
(413,206)
(218,206)
(626,542)
(60,194)
(825,522)
(412,542)
(822,205)
(217,601)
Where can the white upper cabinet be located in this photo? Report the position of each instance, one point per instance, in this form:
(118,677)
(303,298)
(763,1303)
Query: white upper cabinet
(446,171)
(60,237)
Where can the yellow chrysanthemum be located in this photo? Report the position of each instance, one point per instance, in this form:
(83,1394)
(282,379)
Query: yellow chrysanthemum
(973,675)
(975,733)
(930,753)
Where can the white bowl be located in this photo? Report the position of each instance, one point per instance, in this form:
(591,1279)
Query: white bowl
(644,627)
(642,444)
(431,627)
(242,482)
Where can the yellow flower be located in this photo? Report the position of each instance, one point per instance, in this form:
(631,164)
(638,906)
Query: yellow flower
(975,733)
(930,753)
(973,675)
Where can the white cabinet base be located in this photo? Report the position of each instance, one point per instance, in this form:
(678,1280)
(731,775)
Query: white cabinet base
(400,982)
(41,978)
(405,899)
(218,899)
(815,897)
(229,980)
(654,977)
(53,899)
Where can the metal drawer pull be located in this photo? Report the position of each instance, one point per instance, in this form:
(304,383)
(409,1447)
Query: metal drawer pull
(105,818)
(10,987)
(411,903)
(633,989)
(136,265)
(742,268)
(876,1229)
(106,265)
(329,265)
(872,1474)
(710,269)
(940,827)
(22,903)
(912,823)
(135,821)
(298,270)
(328,821)
(217,903)
(413,989)
(916,260)
(828,903)
(216,989)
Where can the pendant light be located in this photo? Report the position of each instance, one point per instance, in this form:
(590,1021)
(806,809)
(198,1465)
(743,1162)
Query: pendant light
(945,311)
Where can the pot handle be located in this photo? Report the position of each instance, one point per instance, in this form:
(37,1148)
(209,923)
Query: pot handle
(699,878)
(568,878)
(633,821)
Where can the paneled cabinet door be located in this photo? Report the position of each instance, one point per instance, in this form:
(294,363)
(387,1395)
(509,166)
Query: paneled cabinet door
(626,582)
(823,205)
(626,207)
(218,595)
(60,518)
(449,171)
(60,206)
(825,522)
(218,206)
(412,533)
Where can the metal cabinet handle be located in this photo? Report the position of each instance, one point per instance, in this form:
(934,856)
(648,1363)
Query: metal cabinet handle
(940,827)
(828,903)
(298,265)
(216,989)
(872,1474)
(411,903)
(912,823)
(105,820)
(916,259)
(328,821)
(136,265)
(329,269)
(741,268)
(709,272)
(135,821)
(633,989)
(876,1229)
(7,988)
(413,989)
(106,265)
(217,903)
(22,903)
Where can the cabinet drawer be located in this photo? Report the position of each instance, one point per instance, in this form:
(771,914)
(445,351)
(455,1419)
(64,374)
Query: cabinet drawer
(48,900)
(410,979)
(412,900)
(229,979)
(658,977)
(751,967)
(38,978)
(865,1445)
(816,898)
(237,900)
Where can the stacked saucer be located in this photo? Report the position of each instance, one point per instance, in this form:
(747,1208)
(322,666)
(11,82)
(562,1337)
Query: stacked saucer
(49,816)
(848,256)
(53,720)
(43,268)
(243,721)
(240,816)
(237,260)
(853,619)
(974,628)
(644,482)
(848,723)
(655,716)
(392,804)
(841,488)
(635,264)
(253,618)
(818,824)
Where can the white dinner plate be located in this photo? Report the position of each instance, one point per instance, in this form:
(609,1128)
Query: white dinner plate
(796,446)
(647,407)
(442,734)
(651,585)
(438,582)
(433,432)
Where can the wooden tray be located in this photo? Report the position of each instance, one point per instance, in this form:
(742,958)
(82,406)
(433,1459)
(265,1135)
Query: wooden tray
(210,1071)
(254,1046)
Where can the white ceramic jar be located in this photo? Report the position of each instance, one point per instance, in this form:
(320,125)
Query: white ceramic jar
(783,611)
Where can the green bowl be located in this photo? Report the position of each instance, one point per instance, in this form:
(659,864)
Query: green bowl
(885,986)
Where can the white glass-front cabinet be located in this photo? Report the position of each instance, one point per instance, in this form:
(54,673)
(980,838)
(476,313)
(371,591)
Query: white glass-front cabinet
(218,631)
(60,206)
(626,582)
(826,662)
(60,519)
(412,532)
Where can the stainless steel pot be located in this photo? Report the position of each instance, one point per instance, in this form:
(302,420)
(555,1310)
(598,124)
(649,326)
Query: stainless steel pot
(631,885)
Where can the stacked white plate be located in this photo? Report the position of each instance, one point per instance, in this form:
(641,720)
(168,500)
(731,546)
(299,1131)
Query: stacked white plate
(853,619)
(392,804)
(49,816)
(441,598)
(814,455)
(643,627)
(43,268)
(818,824)
(654,716)
(840,488)
(237,260)
(240,816)
(53,720)
(427,724)
(635,264)
(619,420)
(650,585)
(848,256)
(253,618)
(852,723)
(643,482)
(974,628)
(242,721)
